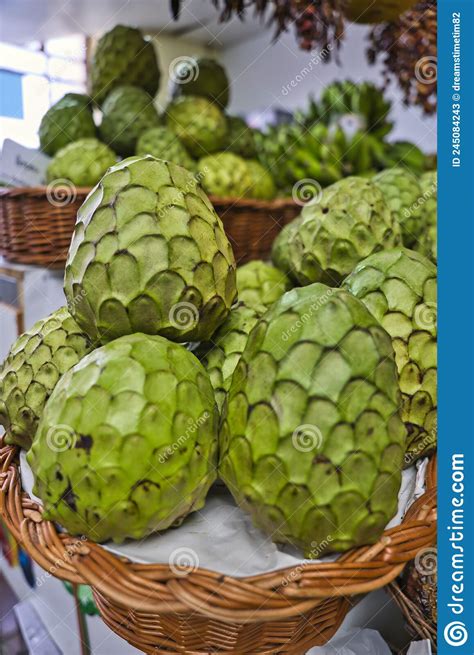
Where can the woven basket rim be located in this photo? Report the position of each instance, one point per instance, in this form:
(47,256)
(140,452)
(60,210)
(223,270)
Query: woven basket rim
(41,190)
(35,191)
(155,588)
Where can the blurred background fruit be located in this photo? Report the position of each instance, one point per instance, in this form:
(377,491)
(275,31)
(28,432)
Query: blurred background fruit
(66,121)
(83,162)
(123,57)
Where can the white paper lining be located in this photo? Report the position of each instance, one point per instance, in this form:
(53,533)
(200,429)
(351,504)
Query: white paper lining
(222,538)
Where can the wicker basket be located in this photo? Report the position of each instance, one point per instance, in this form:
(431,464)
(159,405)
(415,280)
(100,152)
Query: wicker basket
(36,224)
(160,610)
(252,225)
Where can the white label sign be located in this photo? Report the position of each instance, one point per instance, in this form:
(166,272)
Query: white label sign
(20,166)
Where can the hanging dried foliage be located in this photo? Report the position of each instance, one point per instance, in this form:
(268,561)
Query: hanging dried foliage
(408,51)
(318,23)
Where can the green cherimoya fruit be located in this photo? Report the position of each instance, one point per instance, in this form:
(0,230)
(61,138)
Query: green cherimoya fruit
(199,123)
(399,288)
(201,76)
(127,443)
(123,56)
(350,222)
(259,283)
(225,175)
(402,193)
(428,241)
(221,355)
(66,121)
(280,248)
(82,162)
(32,369)
(149,254)
(240,138)
(312,444)
(262,187)
(161,142)
(126,113)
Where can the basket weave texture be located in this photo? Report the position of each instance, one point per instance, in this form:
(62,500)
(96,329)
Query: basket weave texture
(36,223)
(160,609)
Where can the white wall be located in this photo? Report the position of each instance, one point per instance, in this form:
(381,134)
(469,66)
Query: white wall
(169,48)
(261,70)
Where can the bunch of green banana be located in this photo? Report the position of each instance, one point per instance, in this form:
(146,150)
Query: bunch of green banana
(365,101)
(361,154)
(292,153)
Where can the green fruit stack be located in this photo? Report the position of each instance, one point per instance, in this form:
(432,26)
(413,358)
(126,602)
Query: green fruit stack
(66,121)
(149,254)
(225,175)
(305,384)
(203,77)
(123,57)
(200,124)
(260,284)
(162,143)
(221,355)
(83,162)
(34,365)
(351,221)
(399,288)
(126,113)
(117,417)
(427,243)
(312,444)
(402,194)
